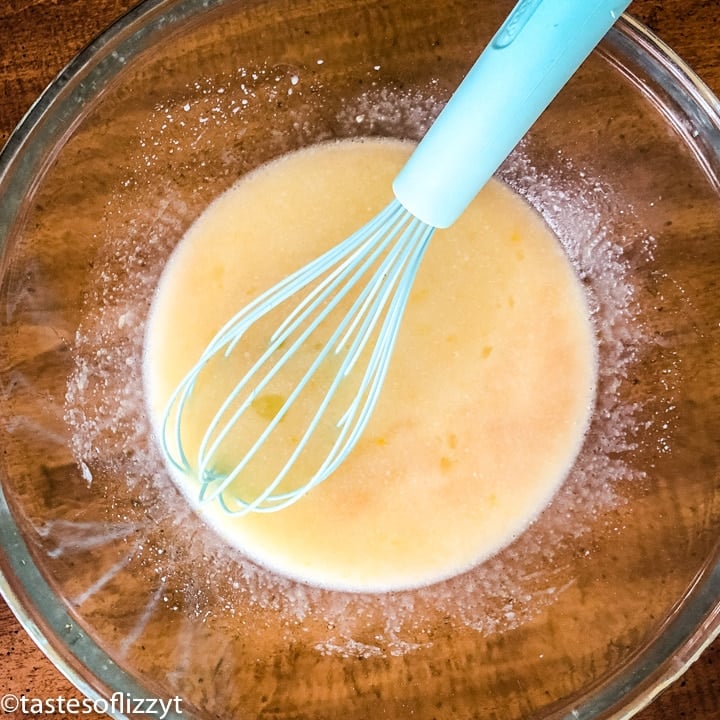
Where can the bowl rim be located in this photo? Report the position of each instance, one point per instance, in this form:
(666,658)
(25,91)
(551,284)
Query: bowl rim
(692,626)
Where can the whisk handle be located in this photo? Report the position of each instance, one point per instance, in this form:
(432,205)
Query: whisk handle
(531,57)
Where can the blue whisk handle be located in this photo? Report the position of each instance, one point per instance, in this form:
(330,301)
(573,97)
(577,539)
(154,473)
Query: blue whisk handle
(531,57)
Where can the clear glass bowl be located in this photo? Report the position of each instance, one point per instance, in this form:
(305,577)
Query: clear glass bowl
(604,600)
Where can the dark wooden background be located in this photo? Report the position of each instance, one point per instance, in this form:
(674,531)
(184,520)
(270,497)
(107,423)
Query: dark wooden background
(37,38)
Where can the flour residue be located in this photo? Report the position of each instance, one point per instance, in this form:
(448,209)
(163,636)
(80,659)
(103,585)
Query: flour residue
(198,575)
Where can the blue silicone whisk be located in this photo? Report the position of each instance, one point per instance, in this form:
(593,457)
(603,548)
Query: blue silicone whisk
(530,58)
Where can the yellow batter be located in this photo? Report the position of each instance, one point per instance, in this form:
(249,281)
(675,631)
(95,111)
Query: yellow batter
(486,402)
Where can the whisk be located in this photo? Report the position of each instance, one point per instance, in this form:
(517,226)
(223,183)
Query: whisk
(366,279)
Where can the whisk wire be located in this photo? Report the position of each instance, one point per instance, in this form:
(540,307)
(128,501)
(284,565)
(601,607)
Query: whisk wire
(214,436)
(401,265)
(365,237)
(391,325)
(398,268)
(378,364)
(392,244)
(234,329)
(380,291)
(473,134)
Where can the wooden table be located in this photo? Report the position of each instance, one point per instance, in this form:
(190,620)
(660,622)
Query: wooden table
(37,38)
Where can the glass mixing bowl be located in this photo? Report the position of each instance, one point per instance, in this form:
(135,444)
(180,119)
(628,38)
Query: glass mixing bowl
(607,596)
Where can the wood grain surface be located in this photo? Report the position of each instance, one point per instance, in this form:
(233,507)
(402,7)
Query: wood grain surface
(38,37)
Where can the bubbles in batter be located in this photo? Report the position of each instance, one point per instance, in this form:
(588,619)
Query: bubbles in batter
(488,396)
